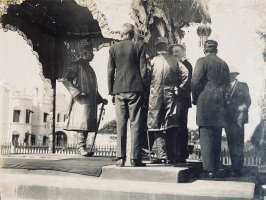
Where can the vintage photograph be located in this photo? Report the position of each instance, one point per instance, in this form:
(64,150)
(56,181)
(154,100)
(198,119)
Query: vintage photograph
(132,99)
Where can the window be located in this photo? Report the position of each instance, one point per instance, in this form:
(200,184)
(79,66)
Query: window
(16,115)
(58,117)
(45,117)
(28,112)
(65,117)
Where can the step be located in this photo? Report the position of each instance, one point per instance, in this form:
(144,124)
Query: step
(16,185)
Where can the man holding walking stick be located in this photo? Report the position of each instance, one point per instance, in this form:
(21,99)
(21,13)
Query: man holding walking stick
(81,82)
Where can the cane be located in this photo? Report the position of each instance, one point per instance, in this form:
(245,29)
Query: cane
(148,138)
(98,124)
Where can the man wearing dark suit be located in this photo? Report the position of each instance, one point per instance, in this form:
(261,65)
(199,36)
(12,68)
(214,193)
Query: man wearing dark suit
(238,103)
(209,84)
(127,71)
(184,101)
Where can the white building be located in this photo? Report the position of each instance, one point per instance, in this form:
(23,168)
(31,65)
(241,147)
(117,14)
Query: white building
(24,115)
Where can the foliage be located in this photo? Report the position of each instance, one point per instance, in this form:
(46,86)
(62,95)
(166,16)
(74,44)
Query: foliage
(109,127)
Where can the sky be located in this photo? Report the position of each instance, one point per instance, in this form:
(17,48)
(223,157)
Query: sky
(234,26)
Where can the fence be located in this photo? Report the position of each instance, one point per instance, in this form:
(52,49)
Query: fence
(251,157)
(8,148)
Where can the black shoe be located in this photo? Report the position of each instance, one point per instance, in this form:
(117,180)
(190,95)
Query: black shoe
(159,161)
(206,175)
(90,154)
(120,162)
(137,163)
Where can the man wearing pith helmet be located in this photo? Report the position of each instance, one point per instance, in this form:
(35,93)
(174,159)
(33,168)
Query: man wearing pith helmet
(238,103)
(209,84)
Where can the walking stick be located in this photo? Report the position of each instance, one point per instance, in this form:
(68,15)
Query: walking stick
(148,138)
(98,124)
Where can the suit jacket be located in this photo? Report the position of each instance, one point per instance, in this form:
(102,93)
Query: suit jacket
(208,85)
(238,96)
(127,68)
(184,95)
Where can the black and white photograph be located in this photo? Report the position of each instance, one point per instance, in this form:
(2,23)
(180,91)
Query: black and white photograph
(132,99)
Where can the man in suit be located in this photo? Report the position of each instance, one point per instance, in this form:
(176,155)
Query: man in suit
(184,103)
(238,103)
(209,84)
(127,71)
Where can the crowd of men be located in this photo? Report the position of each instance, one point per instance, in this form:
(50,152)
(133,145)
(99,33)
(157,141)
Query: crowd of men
(154,95)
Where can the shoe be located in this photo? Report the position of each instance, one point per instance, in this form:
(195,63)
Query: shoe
(171,162)
(159,161)
(120,162)
(137,163)
(206,175)
(83,152)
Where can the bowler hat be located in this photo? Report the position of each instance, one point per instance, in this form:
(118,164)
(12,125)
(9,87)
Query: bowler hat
(161,40)
(233,70)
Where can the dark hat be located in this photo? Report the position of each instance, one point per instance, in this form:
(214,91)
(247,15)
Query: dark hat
(161,40)
(87,46)
(210,44)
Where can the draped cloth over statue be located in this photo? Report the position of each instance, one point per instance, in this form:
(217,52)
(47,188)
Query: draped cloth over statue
(81,78)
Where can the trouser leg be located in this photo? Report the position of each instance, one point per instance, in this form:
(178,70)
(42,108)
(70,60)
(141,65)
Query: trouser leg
(159,137)
(171,148)
(210,142)
(182,136)
(81,139)
(135,106)
(235,140)
(121,110)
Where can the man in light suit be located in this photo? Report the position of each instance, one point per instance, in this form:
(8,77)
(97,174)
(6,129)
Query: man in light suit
(209,84)
(238,103)
(127,71)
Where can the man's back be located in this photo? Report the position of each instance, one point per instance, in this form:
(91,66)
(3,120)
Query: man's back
(126,60)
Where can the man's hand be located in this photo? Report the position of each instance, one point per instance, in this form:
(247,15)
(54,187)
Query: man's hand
(105,101)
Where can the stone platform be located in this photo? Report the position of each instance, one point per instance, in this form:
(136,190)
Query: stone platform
(153,182)
(15,184)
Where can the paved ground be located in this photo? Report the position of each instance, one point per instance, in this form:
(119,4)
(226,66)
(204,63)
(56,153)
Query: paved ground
(17,184)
